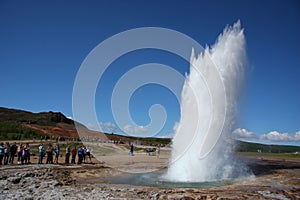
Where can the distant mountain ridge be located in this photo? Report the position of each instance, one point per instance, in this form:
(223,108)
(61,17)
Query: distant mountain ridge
(20,124)
(42,118)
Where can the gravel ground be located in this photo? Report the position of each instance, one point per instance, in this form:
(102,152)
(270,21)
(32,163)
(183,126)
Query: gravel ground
(274,180)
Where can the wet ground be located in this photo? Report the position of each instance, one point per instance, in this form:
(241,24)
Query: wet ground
(274,179)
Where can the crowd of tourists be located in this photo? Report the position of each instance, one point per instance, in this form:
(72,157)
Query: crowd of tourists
(82,153)
(8,152)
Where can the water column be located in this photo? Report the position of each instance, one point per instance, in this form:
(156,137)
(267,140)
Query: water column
(201,150)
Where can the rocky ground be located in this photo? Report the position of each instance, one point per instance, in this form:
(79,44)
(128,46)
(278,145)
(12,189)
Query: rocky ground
(275,179)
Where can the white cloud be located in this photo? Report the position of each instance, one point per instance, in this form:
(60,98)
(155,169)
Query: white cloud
(105,127)
(169,135)
(108,126)
(297,136)
(243,133)
(279,137)
(92,126)
(134,129)
(70,117)
(273,136)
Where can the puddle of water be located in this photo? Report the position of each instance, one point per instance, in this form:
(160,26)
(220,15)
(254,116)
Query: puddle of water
(151,179)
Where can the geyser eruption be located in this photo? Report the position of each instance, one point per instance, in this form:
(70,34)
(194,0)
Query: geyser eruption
(201,145)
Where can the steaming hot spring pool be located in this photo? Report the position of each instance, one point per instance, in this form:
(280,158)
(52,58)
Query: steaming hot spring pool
(153,179)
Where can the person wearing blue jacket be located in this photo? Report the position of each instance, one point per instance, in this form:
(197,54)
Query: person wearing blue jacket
(80,154)
(1,152)
(41,153)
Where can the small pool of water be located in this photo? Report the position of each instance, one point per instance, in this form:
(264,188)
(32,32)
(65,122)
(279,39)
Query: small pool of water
(152,179)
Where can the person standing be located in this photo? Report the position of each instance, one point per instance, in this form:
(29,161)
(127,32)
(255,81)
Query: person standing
(56,152)
(28,152)
(80,154)
(24,155)
(1,152)
(68,151)
(41,153)
(88,153)
(6,153)
(84,154)
(74,152)
(20,151)
(131,150)
(49,152)
(13,151)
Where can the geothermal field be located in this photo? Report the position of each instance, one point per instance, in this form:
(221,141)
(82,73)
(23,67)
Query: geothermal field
(273,176)
(202,161)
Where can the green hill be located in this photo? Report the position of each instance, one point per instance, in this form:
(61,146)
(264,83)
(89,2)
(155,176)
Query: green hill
(42,118)
(19,124)
(143,141)
(254,147)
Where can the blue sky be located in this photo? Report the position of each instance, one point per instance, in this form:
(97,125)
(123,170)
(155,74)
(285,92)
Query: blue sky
(42,45)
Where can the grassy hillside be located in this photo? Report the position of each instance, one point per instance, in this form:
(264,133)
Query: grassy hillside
(19,124)
(25,117)
(15,131)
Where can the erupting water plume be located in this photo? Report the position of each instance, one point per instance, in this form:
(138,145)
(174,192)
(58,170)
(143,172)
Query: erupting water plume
(202,148)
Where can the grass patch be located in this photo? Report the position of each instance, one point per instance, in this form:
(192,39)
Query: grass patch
(14,131)
(265,148)
(102,151)
(273,155)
